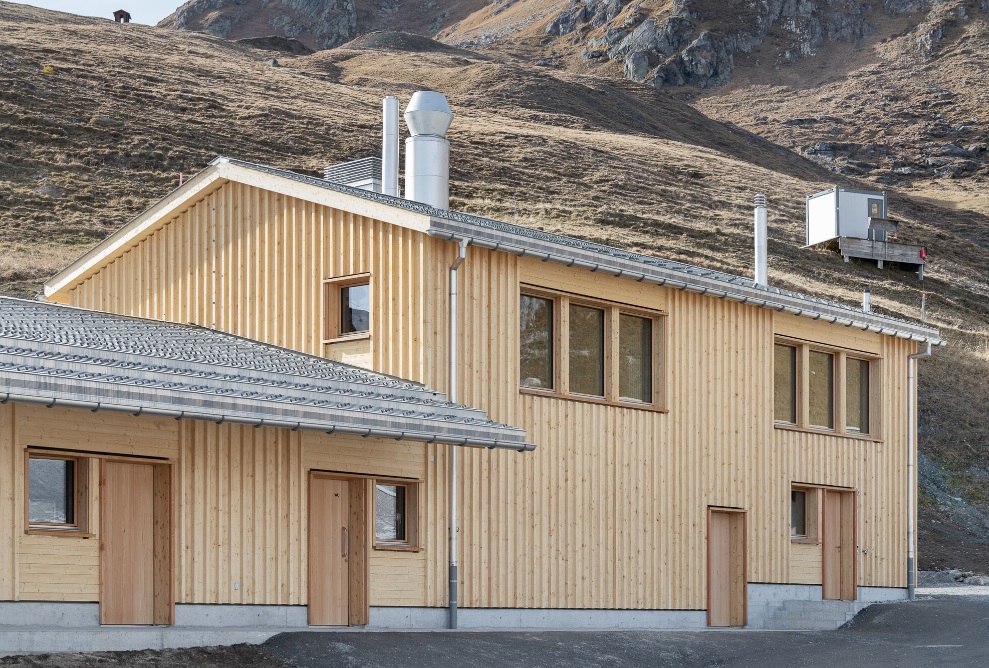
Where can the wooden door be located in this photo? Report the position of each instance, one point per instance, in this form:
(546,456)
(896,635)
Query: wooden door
(329,552)
(727,589)
(127,546)
(838,541)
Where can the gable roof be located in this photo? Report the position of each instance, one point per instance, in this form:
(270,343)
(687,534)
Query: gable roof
(61,355)
(487,233)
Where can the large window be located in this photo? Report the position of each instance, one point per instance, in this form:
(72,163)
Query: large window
(785,390)
(821,389)
(536,342)
(821,384)
(57,488)
(585,349)
(635,358)
(347,307)
(395,515)
(857,395)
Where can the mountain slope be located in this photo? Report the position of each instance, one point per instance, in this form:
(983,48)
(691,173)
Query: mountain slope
(93,132)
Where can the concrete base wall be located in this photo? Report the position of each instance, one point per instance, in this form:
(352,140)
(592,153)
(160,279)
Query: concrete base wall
(470,619)
(27,627)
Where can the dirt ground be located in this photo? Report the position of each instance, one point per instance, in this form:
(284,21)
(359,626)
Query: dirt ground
(236,656)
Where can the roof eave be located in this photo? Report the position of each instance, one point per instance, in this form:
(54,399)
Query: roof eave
(547,251)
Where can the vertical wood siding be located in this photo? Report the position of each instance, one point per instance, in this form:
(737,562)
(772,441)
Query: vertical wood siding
(609,511)
(241,501)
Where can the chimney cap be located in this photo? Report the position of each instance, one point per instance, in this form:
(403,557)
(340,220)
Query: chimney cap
(760,200)
(428,113)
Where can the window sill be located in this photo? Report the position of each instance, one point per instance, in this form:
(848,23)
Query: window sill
(67,533)
(397,548)
(360,336)
(782,426)
(591,400)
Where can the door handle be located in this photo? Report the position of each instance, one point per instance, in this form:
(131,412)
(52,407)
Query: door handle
(346,542)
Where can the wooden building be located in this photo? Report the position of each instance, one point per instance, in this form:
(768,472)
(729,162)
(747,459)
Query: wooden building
(708,449)
(147,467)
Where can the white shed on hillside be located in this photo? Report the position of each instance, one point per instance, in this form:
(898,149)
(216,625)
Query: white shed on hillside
(842,212)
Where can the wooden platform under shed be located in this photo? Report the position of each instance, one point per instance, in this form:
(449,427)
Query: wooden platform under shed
(883,251)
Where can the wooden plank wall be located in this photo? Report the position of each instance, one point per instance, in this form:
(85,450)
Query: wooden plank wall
(242,506)
(609,511)
(51,568)
(251,262)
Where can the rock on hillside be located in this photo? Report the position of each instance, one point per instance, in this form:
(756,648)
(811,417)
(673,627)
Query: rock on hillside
(694,42)
(319,24)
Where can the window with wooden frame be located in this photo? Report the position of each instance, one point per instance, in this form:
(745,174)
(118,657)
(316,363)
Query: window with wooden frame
(589,350)
(804,514)
(347,307)
(824,389)
(396,515)
(57,493)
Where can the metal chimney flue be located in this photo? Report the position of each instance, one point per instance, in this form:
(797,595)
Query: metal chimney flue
(427,152)
(389,146)
(867,301)
(761,247)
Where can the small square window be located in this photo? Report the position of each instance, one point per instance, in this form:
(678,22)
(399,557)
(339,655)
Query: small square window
(395,514)
(346,307)
(57,488)
(355,308)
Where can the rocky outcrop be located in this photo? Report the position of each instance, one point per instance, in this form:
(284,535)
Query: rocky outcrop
(319,24)
(694,43)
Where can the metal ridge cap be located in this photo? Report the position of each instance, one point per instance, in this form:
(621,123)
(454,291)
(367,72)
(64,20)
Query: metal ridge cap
(731,286)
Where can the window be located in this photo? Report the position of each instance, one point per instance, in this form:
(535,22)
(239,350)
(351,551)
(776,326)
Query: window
(821,389)
(635,358)
(804,504)
(347,307)
(589,350)
(824,389)
(785,390)
(355,309)
(586,350)
(857,395)
(798,514)
(395,515)
(56,493)
(536,342)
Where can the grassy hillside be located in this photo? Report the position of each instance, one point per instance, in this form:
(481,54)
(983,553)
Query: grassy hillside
(98,120)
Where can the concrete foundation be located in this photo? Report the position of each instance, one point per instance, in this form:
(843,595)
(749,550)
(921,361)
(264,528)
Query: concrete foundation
(29,627)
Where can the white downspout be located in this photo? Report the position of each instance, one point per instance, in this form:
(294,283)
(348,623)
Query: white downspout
(911,467)
(454,366)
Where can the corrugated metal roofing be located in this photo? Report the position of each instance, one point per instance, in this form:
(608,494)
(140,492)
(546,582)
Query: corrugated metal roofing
(81,357)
